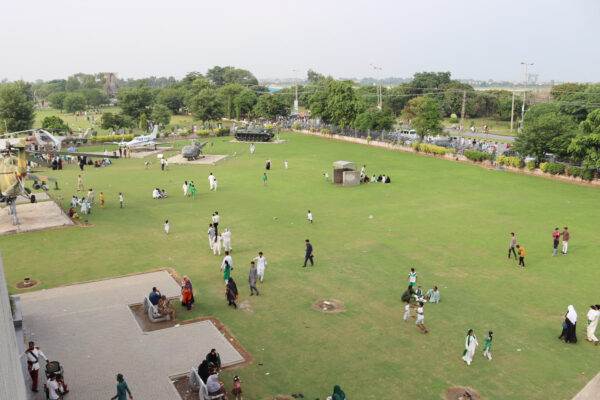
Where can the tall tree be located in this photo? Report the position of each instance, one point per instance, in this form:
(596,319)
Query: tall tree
(74,102)
(134,102)
(16,110)
(342,104)
(171,98)
(244,103)
(271,106)
(545,130)
(374,119)
(228,92)
(586,146)
(161,114)
(207,106)
(94,97)
(314,77)
(425,116)
(57,99)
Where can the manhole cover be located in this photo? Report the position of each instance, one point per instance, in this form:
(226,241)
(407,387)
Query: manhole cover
(328,306)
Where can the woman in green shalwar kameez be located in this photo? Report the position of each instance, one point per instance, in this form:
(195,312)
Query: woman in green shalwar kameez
(338,393)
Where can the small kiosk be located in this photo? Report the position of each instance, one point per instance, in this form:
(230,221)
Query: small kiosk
(345,173)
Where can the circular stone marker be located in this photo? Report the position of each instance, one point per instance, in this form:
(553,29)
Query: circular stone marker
(461,393)
(26,284)
(328,306)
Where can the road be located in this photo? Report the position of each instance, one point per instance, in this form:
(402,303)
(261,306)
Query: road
(489,136)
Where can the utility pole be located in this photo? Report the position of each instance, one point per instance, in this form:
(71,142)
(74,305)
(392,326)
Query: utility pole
(379,92)
(462,111)
(525,91)
(296,101)
(512,112)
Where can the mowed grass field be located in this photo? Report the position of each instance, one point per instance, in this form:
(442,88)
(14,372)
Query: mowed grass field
(449,221)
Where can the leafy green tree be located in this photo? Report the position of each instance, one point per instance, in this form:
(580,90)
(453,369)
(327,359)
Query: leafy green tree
(136,101)
(579,104)
(171,98)
(425,116)
(271,106)
(143,122)
(545,130)
(505,107)
(161,114)
(54,123)
(451,101)
(221,76)
(342,104)
(74,102)
(374,119)
(228,92)
(317,103)
(207,106)
(396,98)
(72,84)
(565,90)
(57,100)
(16,110)
(367,95)
(94,97)
(424,82)
(116,121)
(47,88)
(244,103)
(586,146)
(314,77)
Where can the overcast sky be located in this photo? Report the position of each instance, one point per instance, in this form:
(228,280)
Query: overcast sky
(46,39)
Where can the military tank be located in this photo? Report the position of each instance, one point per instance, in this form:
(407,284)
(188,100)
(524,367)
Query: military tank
(253,133)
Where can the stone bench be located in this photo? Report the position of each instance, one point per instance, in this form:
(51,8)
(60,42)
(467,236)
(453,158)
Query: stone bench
(153,313)
(197,384)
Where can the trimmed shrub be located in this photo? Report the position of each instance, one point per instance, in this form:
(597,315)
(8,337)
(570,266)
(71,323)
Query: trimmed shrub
(556,168)
(184,132)
(531,165)
(583,173)
(203,132)
(453,119)
(222,131)
(544,166)
(432,149)
(114,138)
(478,156)
(415,146)
(511,161)
(326,131)
(297,126)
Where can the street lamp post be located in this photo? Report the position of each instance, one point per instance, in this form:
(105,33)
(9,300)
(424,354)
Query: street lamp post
(296,101)
(379,93)
(525,91)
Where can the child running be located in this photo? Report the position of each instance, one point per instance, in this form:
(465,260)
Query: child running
(167,227)
(421,318)
(310,217)
(406,311)
(488,345)
(522,254)
(412,277)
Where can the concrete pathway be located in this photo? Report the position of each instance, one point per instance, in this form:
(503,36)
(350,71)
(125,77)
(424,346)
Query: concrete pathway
(489,136)
(33,217)
(591,391)
(91,331)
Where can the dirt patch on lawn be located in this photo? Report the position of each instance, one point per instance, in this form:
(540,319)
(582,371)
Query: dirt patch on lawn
(246,306)
(462,393)
(26,284)
(182,385)
(329,306)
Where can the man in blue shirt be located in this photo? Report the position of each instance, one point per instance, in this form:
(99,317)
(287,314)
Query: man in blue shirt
(309,254)
(154,296)
(122,389)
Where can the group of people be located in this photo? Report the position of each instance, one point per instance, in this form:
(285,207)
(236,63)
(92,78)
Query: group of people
(162,303)
(471,345)
(364,178)
(569,325)
(159,194)
(556,238)
(519,249)
(208,371)
(189,189)
(432,296)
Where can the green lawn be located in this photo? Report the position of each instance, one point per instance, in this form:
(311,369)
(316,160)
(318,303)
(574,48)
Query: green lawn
(450,221)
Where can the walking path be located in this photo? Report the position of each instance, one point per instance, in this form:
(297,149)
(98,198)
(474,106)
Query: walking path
(90,329)
(591,391)
(489,136)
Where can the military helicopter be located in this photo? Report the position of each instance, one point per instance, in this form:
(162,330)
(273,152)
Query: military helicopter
(193,151)
(14,172)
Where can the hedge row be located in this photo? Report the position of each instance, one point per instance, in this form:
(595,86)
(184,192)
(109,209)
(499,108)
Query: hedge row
(511,161)
(206,132)
(479,156)
(431,149)
(583,173)
(553,168)
(118,138)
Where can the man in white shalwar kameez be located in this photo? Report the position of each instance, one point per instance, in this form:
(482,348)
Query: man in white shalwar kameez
(261,265)
(217,245)
(593,315)
(470,346)
(227,259)
(226,240)
(211,181)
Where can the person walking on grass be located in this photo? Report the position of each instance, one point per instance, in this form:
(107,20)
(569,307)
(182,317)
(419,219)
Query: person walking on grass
(185,188)
(79,183)
(406,310)
(227,240)
(101,200)
(211,235)
(91,196)
(121,199)
(211,181)
(310,219)
(470,346)
(231,292)
(227,259)
(555,239)
(309,254)
(285,163)
(565,235)
(412,277)
(593,315)
(167,227)
(511,247)
(488,345)
(252,276)
(226,271)
(193,190)
(522,255)
(421,318)
(261,265)
(265,179)
(122,389)
(216,219)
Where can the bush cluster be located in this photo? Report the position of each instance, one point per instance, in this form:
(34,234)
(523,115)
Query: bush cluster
(511,161)
(478,156)
(222,131)
(531,165)
(203,132)
(326,131)
(184,132)
(552,168)
(432,149)
(312,129)
(297,126)
(583,173)
(118,138)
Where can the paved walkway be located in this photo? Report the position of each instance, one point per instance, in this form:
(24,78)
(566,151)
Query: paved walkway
(33,217)
(591,391)
(91,331)
(488,136)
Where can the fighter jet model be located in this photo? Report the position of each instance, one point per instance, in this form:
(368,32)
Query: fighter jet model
(193,151)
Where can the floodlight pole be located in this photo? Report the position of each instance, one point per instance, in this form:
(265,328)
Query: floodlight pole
(296,101)
(525,91)
(379,92)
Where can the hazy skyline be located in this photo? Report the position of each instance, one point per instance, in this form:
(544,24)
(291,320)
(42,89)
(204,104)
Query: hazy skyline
(471,39)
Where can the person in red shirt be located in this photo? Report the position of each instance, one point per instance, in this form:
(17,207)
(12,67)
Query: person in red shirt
(556,237)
